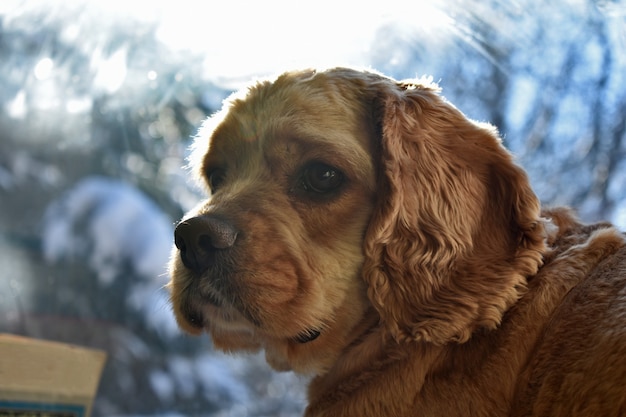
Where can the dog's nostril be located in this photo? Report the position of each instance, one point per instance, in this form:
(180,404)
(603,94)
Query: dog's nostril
(198,238)
(205,242)
(179,242)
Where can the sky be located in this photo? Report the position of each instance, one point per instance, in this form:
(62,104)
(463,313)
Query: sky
(242,38)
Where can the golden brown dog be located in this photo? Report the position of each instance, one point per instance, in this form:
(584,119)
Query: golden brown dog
(363,230)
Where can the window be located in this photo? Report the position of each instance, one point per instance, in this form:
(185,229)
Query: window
(99,101)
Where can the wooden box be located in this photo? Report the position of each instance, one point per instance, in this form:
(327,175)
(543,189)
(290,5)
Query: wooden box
(42,378)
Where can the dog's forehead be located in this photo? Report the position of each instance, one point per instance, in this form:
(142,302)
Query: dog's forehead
(286,115)
(291,103)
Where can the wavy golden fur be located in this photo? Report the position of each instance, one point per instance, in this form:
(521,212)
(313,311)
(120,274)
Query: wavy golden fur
(363,230)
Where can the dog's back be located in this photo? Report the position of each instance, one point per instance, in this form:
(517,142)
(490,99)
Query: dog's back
(578,367)
(559,351)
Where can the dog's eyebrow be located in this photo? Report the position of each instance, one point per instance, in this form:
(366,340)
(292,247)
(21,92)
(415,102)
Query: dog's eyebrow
(340,150)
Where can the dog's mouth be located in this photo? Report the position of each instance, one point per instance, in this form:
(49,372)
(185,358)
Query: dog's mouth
(192,311)
(199,311)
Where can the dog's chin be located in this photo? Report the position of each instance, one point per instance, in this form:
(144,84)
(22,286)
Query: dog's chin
(306,348)
(281,353)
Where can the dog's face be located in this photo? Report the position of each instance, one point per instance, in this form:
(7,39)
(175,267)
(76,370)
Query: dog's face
(343,204)
(271,259)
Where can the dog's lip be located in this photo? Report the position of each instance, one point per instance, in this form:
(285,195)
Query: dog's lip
(208,306)
(211,298)
(193,317)
(192,309)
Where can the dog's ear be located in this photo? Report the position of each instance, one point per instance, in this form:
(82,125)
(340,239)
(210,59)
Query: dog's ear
(456,230)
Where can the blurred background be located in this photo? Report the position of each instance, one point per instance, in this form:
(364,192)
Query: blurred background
(99,101)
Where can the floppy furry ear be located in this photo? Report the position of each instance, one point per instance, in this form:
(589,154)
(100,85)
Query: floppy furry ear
(456,231)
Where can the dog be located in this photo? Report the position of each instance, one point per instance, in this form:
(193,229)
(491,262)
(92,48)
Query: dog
(364,231)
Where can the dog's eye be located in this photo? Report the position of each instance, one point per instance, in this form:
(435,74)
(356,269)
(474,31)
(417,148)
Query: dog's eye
(321,178)
(215,178)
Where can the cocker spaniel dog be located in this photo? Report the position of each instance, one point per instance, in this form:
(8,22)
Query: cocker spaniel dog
(364,231)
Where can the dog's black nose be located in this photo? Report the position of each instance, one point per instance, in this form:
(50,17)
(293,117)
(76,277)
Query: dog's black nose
(198,238)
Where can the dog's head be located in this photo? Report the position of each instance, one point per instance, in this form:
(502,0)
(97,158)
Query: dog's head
(344,202)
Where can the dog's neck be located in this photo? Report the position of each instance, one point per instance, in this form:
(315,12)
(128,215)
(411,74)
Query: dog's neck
(371,351)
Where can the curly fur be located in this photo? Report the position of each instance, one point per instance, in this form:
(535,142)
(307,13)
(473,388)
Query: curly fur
(428,282)
(431,228)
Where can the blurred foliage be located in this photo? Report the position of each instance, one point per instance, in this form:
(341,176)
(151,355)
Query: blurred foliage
(553,82)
